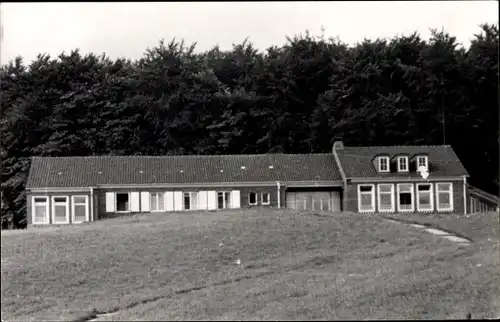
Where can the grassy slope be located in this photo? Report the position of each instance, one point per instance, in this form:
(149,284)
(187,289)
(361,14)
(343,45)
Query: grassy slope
(172,267)
(478,227)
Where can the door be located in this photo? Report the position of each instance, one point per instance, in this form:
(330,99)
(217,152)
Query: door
(220,200)
(314,200)
(223,199)
(336,201)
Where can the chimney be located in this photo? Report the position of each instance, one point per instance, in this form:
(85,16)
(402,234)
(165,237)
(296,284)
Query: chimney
(337,143)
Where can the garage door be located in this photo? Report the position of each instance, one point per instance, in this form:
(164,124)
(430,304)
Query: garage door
(313,200)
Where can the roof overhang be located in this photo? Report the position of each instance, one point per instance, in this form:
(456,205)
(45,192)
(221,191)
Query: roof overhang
(58,189)
(309,184)
(192,185)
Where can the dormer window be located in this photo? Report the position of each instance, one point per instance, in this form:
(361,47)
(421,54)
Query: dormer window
(402,164)
(422,161)
(383,164)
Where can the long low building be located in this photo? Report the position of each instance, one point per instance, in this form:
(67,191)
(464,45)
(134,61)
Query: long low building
(378,179)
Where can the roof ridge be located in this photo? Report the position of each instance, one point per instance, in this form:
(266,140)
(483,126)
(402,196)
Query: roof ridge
(175,155)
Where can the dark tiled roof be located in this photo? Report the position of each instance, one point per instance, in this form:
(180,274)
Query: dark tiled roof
(96,170)
(357,161)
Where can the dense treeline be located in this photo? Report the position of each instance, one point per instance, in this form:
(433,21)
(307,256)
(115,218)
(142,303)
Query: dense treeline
(292,99)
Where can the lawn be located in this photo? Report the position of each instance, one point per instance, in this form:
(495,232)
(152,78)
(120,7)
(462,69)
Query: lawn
(181,266)
(479,227)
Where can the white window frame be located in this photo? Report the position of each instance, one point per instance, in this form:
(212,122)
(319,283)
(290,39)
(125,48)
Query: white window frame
(431,197)
(158,194)
(129,202)
(372,193)
(262,194)
(55,204)
(426,161)
(256,198)
(450,192)
(73,206)
(400,169)
(47,212)
(379,193)
(380,164)
(412,191)
(192,206)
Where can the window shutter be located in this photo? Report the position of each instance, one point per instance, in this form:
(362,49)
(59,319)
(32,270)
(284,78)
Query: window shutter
(235,199)
(110,202)
(178,200)
(203,200)
(145,201)
(169,201)
(135,201)
(212,200)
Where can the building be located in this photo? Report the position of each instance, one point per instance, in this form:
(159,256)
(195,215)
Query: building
(386,179)
(481,201)
(62,190)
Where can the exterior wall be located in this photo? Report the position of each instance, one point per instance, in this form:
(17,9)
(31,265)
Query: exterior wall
(350,199)
(244,191)
(351,194)
(30,195)
(95,205)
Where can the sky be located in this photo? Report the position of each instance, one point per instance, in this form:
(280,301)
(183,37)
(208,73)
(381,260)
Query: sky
(127,29)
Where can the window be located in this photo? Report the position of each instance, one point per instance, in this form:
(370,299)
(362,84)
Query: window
(122,202)
(422,161)
(60,210)
(366,198)
(157,201)
(444,197)
(80,211)
(386,198)
(252,198)
(190,200)
(40,210)
(424,197)
(402,164)
(405,197)
(266,200)
(223,199)
(383,164)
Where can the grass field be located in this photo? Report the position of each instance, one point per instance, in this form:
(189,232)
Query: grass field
(479,227)
(182,267)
